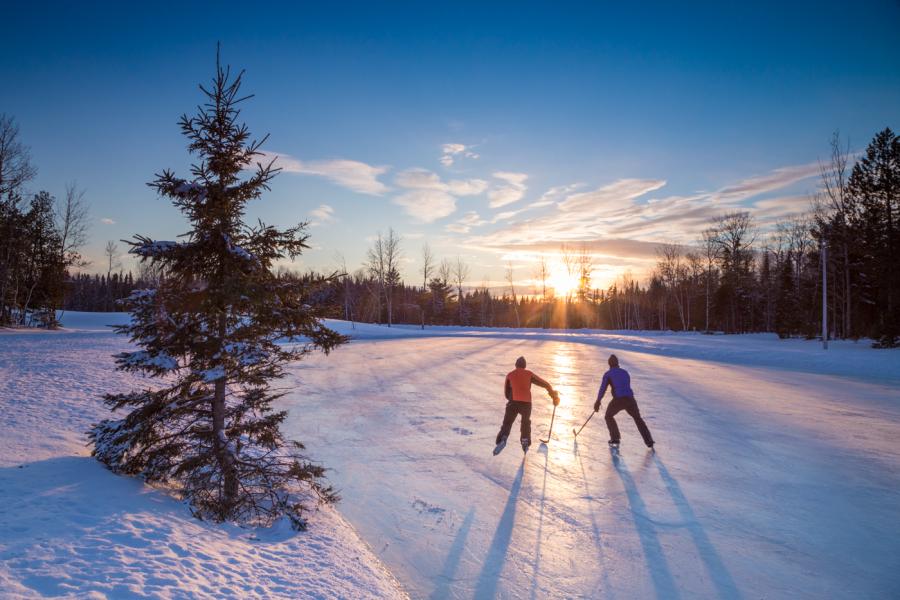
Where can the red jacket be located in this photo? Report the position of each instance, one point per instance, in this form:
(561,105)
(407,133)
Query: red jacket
(518,385)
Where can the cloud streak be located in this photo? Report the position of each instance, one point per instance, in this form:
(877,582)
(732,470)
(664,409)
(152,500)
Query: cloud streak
(429,197)
(626,211)
(321,215)
(350,174)
(512,190)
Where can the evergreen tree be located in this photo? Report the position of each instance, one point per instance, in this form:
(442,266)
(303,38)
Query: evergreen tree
(786,307)
(207,332)
(875,185)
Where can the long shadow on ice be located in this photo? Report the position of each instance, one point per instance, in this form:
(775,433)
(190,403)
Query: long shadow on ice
(542,449)
(606,587)
(663,582)
(719,574)
(451,563)
(496,555)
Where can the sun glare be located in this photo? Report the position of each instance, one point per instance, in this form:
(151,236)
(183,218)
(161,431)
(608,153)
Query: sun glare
(562,282)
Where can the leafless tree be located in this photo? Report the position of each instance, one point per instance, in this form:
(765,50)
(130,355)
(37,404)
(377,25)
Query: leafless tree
(393,253)
(72,223)
(460,276)
(672,271)
(542,273)
(384,265)
(445,270)
(427,265)
(571,265)
(15,171)
(710,249)
(512,291)
(345,277)
(15,158)
(835,200)
(584,263)
(112,258)
(377,269)
(736,235)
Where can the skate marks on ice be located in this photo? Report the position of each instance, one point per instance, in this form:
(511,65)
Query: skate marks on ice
(742,499)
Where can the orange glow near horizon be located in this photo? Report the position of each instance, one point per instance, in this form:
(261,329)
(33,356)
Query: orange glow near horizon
(562,282)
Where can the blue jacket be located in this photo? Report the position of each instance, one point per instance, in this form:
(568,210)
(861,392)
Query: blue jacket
(619,381)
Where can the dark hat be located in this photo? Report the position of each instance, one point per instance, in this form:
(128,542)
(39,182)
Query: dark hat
(520,362)
(613,360)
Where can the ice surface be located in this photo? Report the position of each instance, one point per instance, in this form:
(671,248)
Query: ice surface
(777,473)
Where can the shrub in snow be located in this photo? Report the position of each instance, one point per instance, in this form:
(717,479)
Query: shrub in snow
(208,334)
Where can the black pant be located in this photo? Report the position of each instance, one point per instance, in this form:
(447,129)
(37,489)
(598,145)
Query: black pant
(629,405)
(512,410)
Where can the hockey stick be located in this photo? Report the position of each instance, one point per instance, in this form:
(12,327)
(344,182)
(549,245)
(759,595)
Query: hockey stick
(549,431)
(585,423)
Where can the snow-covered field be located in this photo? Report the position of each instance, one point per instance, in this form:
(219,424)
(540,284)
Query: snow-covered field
(71,529)
(777,474)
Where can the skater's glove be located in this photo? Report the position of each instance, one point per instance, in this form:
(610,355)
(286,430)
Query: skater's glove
(597,406)
(555,395)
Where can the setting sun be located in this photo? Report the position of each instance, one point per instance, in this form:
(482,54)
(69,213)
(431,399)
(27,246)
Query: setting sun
(562,282)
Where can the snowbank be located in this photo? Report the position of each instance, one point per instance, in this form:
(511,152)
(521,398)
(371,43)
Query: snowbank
(69,528)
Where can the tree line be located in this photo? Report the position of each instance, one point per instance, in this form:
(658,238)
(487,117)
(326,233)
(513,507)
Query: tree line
(735,278)
(40,237)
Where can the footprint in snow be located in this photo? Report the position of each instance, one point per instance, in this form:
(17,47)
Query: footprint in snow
(462,431)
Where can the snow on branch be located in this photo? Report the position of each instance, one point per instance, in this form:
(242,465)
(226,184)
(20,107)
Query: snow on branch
(141,359)
(186,189)
(151,249)
(237,250)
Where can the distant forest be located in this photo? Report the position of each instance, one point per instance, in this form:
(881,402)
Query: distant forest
(734,279)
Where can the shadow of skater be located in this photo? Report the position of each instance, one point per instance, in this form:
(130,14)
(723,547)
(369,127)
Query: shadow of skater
(663,582)
(451,563)
(537,546)
(496,555)
(725,585)
(605,590)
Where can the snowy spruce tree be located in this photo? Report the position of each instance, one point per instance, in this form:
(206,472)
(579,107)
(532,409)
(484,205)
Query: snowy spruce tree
(215,334)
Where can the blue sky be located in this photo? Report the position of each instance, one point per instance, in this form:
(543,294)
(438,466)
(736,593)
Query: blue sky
(494,131)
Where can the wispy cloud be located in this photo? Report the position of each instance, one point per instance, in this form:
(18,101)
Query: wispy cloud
(465,224)
(351,174)
(760,184)
(107,221)
(429,197)
(625,212)
(426,205)
(321,215)
(512,190)
(451,152)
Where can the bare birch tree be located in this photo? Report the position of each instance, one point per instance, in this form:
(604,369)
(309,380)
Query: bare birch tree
(512,291)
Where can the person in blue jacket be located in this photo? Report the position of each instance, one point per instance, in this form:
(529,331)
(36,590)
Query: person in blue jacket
(619,382)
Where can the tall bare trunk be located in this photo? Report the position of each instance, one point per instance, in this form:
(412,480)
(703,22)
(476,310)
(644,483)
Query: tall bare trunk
(223,453)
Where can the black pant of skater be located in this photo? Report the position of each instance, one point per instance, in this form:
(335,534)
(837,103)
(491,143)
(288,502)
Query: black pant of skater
(629,405)
(514,409)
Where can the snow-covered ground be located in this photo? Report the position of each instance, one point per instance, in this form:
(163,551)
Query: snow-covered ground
(71,529)
(777,474)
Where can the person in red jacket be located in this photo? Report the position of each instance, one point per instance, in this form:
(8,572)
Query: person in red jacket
(517,390)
